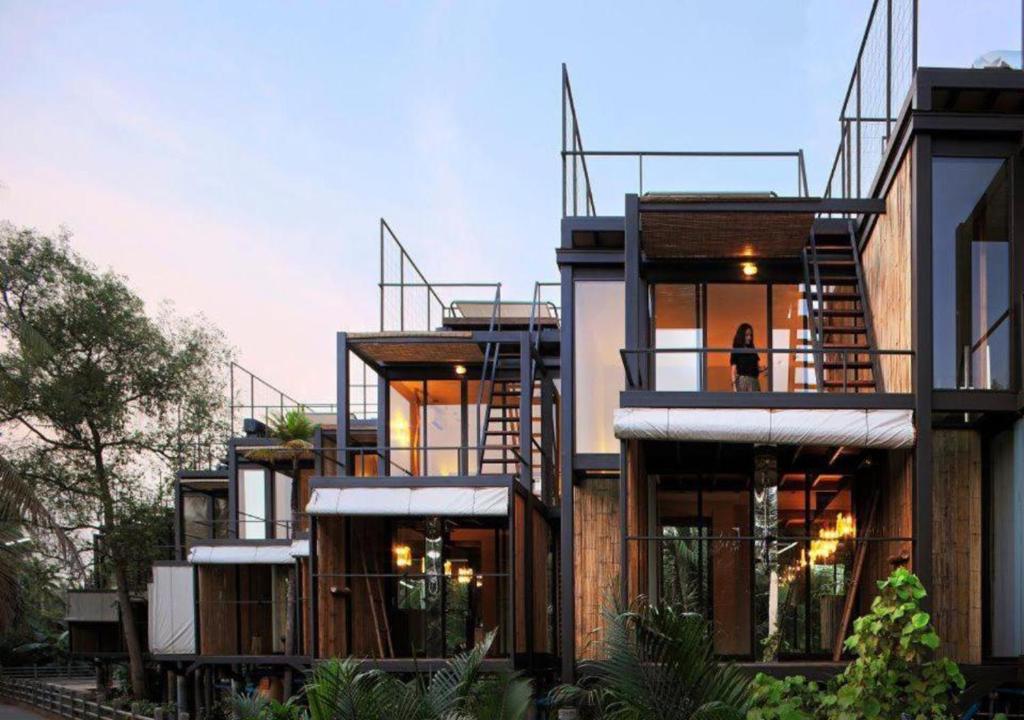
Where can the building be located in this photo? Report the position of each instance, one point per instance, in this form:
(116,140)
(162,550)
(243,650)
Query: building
(515,466)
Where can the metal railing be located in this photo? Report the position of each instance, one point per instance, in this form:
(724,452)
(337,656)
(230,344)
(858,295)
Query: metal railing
(250,396)
(576,173)
(882,74)
(71,671)
(640,364)
(410,302)
(64,702)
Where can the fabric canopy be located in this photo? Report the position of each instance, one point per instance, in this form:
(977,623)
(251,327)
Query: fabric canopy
(171,611)
(453,501)
(890,429)
(300,548)
(241,555)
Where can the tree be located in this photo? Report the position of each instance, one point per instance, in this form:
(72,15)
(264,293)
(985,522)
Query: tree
(95,396)
(24,521)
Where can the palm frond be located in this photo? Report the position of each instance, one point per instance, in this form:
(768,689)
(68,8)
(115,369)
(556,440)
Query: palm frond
(658,663)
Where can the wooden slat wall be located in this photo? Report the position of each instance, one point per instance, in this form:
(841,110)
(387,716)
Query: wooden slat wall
(957,543)
(541,583)
(218,628)
(301,518)
(520,573)
(302,598)
(255,611)
(894,480)
(596,551)
(886,263)
(637,525)
(332,636)
(370,554)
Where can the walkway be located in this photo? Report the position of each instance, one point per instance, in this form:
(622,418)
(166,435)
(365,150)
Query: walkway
(10,712)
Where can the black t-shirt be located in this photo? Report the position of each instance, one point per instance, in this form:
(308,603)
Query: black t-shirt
(746,362)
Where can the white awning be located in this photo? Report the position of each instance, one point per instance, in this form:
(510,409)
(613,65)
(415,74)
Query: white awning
(890,429)
(172,611)
(453,501)
(241,555)
(300,548)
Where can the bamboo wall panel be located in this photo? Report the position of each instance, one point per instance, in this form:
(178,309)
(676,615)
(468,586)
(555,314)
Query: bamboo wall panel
(301,518)
(521,564)
(541,584)
(894,481)
(596,551)
(218,625)
(370,554)
(331,588)
(886,262)
(256,609)
(957,543)
(637,524)
(302,598)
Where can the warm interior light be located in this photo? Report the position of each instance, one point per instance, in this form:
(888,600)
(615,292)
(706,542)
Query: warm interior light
(825,546)
(749,269)
(460,369)
(403,556)
(465,576)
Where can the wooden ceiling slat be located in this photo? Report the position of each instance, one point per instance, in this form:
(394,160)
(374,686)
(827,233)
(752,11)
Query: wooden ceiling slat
(666,235)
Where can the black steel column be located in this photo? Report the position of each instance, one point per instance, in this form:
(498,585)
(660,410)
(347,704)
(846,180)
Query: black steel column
(922,369)
(566,428)
(342,413)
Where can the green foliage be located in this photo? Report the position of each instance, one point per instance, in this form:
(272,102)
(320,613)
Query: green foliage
(293,425)
(97,398)
(342,690)
(658,663)
(792,698)
(254,706)
(893,673)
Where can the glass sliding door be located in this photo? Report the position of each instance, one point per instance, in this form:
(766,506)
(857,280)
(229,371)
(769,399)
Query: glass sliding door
(600,332)
(676,313)
(729,306)
(971,263)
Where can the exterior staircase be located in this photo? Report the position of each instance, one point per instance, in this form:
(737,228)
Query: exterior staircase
(838,315)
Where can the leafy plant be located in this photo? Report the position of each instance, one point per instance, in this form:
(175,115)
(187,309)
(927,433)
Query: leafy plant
(658,663)
(254,706)
(893,674)
(461,690)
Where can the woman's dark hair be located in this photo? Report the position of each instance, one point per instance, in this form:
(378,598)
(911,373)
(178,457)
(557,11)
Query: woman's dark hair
(740,339)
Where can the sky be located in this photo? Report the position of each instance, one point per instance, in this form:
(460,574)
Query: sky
(235,158)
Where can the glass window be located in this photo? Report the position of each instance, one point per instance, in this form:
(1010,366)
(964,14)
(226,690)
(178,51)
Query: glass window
(971,273)
(729,306)
(676,314)
(252,506)
(282,505)
(443,426)
(404,426)
(1006,542)
(790,372)
(600,329)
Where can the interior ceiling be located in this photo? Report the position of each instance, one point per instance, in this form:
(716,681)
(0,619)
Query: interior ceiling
(728,235)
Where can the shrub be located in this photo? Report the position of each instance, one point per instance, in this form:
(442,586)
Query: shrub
(892,675)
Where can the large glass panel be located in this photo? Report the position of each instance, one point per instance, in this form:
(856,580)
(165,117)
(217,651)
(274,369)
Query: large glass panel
(729,307)
(443,426)
(404,426)
(195,508)
(1006,542)
(704,559)
(790,372)
(676,326)
(600,329)
(252,510)
(971,273)
(282,505)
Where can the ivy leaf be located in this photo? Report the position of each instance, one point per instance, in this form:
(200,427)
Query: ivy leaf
(920,620)
(930,640)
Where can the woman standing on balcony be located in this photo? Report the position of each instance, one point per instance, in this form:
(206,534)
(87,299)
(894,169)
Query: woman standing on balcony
(744,363)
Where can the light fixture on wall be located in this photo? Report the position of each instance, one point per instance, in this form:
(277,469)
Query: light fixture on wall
(749,269)
(403,556)
(460,370)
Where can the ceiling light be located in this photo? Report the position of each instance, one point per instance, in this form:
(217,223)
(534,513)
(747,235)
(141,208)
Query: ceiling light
(460,369)
(749,269)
